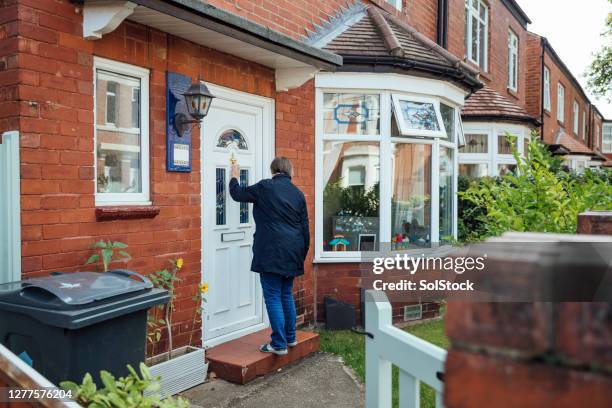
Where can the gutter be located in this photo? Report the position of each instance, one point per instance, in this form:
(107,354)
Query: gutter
(500,118)
(455,73)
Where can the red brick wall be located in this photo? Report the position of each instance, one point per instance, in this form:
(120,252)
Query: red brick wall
(595,139)
(10,108)
(500,22)
(343,281)
(298,18)
(55,84)
(551,124)
(293,18)
(533,82)
(295,140)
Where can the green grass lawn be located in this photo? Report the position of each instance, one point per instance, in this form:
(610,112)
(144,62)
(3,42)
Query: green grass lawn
(351,347)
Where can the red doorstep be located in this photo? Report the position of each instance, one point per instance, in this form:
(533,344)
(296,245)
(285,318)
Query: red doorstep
(240,360)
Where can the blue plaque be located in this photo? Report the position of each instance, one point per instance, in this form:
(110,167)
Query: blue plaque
(178,146)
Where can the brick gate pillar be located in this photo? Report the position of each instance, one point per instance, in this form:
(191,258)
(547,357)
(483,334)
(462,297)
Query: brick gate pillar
(531,355)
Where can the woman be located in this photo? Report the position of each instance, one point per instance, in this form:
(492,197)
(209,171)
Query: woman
(281,242)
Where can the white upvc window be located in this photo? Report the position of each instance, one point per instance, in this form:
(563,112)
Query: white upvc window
(477,32)
(488,148)
(560,103)
(395,3)
(513,61)
(606,146)
(418,116)
(546,89)
(575,117)
(121,133)
(584,124)
(385,174)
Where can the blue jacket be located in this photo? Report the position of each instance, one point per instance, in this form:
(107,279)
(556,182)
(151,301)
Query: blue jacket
(282,237)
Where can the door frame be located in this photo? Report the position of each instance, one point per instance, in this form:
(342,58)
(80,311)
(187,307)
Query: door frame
(267,106)
(10,207)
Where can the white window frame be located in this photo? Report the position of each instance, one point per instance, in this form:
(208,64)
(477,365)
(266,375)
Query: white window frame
(493,130)
(407,131)
(575,117)
(560,102)
(142,198)
(513,62)
(385,86)
(471,13)
(396,3)
(606,145)
(546,89)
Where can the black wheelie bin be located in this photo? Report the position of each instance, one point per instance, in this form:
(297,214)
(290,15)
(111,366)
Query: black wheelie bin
(74,323)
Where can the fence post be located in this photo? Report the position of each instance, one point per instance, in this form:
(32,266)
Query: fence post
(378,381)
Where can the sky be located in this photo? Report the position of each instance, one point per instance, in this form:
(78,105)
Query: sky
(573,29)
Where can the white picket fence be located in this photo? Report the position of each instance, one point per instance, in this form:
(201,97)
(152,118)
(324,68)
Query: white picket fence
(418,361)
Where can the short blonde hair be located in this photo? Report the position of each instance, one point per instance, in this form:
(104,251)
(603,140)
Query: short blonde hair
(281,164)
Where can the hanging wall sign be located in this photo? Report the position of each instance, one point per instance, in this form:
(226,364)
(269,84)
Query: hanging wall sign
(178,147)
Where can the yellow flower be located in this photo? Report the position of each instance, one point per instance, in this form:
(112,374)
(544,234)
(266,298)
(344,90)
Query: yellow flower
(179,263)
(203,287)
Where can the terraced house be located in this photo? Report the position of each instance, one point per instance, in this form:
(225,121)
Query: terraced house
(366,98)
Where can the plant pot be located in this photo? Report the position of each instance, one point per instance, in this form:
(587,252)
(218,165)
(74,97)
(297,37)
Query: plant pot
(186,369)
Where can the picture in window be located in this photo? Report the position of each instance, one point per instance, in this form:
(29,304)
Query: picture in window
(351,114)
(419,115)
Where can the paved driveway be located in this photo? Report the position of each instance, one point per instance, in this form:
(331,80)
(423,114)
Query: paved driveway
(319,381)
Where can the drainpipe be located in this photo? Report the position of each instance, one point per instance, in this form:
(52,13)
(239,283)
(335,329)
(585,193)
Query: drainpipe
(542,88)
(442,24)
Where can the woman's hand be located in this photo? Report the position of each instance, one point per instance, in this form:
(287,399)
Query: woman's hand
(235,173)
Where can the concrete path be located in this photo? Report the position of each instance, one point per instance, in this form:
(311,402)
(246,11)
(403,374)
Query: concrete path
(319,381)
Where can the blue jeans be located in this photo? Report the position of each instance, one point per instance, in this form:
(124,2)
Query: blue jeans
(278,294)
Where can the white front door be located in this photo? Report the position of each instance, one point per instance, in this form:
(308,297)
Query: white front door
(237,127)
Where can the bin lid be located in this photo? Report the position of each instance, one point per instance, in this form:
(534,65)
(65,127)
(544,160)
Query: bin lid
(82,288)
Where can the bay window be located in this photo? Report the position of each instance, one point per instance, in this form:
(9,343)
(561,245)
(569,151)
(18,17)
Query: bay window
(386,170)
(121,133)
(489,146)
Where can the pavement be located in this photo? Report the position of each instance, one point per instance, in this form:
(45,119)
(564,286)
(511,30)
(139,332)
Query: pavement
(319,381)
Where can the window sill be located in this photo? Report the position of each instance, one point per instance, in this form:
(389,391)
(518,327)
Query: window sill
(441,250)
(126,212)
(547,112)
(513,93)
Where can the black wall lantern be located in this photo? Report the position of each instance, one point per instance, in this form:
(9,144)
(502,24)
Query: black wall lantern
(197,99)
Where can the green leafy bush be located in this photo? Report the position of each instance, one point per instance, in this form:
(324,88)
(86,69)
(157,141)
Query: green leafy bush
(538,198)
(125,392)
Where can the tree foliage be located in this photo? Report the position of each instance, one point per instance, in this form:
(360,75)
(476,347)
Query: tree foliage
(599,73)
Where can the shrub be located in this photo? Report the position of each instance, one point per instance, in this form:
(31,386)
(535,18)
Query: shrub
(125,392)
(539,198)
